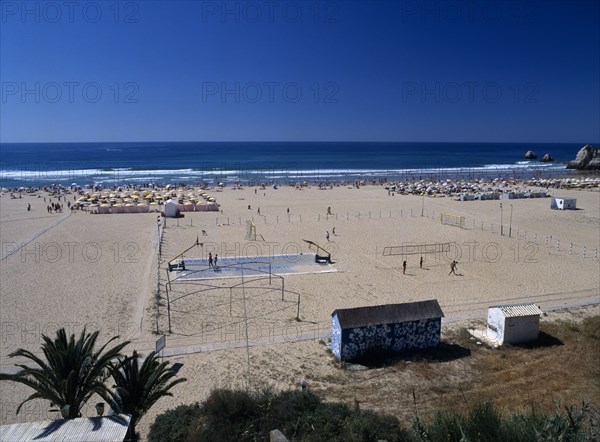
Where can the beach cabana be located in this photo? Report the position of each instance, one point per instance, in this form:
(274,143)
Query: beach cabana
(385,328)
(513,323)
(171,208)
(563,203)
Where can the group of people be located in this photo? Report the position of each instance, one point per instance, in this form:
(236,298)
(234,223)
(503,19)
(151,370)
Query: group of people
(212,262)
(327,236)
(54,207)
(453,266)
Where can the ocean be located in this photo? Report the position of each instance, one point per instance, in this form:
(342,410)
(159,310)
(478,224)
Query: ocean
(109,164)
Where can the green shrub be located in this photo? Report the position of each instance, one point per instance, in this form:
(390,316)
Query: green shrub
(233,415)
(173,425)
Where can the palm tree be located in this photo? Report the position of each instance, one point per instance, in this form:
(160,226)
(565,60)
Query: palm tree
(138,388)
(72,372)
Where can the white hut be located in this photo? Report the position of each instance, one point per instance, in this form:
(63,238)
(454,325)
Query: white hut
(513,324)
(563,203)
(171,208)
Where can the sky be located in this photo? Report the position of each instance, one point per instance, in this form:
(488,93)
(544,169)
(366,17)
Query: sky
(447,71)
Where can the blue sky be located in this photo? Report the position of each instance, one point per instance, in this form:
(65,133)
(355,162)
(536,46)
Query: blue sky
(300,71)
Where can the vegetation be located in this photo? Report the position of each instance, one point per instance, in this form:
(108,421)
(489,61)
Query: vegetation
(484,422)
(72,372)
(137,388)
(174,425)
(235,415)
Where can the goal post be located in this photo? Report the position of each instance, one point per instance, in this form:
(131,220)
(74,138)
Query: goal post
(250,231)
(452,220)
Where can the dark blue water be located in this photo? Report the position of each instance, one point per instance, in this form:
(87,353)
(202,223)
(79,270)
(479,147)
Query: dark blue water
(118,163)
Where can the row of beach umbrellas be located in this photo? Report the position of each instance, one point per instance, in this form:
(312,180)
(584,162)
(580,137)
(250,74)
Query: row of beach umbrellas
(153,198)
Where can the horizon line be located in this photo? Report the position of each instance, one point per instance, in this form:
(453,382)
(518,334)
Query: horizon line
(299,141)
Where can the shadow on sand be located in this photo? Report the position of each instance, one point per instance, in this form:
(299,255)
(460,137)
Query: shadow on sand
(445,352)
(543,340)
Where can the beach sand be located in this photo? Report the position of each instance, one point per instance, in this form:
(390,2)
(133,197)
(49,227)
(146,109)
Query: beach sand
(101,271)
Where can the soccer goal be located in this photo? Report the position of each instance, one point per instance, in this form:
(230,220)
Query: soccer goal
(250,231)
(452,220)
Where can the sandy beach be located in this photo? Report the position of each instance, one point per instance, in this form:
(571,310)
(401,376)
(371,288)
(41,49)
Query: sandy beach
(77,269)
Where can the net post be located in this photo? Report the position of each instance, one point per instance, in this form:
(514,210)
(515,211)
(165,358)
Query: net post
(168,309)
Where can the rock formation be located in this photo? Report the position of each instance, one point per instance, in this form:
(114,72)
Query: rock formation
(588,158)
(530,155)
(547,158)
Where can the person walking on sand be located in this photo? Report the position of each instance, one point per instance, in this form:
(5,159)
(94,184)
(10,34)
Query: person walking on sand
(327,236)
(421,263)
(216,259)
(210,260)
(452,268)
(333,231)
(404,267)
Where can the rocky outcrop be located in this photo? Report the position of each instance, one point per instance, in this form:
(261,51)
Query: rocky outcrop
(530,155)
(547,158)
(588,158)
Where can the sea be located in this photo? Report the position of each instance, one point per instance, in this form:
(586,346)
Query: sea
(231,163)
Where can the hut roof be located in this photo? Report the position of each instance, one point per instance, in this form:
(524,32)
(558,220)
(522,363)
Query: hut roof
(514,310)
(388,313)
(84,429)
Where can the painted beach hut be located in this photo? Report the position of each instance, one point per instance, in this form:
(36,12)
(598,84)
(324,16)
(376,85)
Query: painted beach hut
(385,328)
(563,203)
(513,324)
